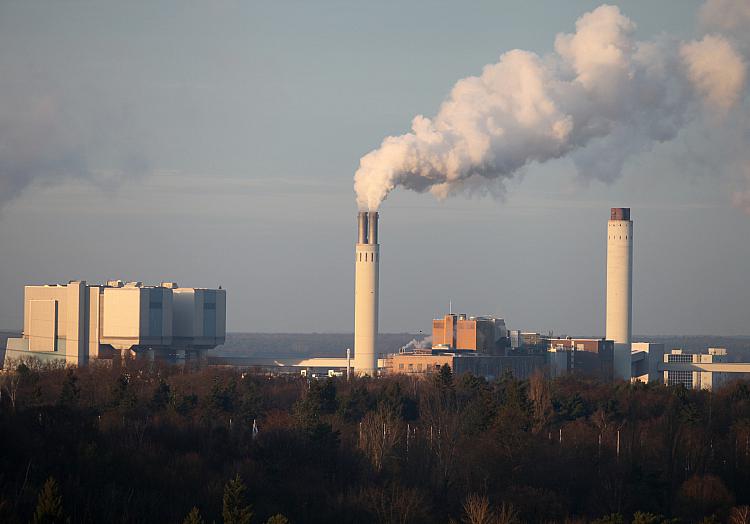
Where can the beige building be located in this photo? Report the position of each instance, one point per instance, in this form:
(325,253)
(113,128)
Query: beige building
(76,322)
(490,366)
(481,334)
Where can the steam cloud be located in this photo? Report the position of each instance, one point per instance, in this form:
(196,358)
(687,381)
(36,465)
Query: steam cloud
(45,140)
(424,343)
(599,97)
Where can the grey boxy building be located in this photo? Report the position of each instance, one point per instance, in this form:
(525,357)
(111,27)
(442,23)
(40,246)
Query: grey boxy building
(77,322)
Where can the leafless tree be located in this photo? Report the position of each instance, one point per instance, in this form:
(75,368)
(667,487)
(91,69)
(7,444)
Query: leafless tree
(507,514)
(541,399)
(441,427)
(477,510)
(396,504)
(10,381)
(381,430)
(740,515)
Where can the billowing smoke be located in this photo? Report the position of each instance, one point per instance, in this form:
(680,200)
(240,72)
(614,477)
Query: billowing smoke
(425,343)
(45,138)
(600,97)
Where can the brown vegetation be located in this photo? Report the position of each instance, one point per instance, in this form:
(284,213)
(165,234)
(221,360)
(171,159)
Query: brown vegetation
(155,444)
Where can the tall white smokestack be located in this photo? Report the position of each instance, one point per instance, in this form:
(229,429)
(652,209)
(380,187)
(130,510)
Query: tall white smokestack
(366,274)
(620,287)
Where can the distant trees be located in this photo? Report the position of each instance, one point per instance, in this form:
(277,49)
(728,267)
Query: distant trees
(396,449)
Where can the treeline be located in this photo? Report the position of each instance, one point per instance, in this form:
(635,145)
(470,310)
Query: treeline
(148,443)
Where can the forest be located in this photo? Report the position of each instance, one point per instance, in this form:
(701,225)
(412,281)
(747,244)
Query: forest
(146,442)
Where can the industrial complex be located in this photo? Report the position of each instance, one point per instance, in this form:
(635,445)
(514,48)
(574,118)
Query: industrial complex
(76,323)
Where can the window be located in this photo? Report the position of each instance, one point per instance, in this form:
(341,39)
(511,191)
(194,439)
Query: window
(400,366)
(680,377)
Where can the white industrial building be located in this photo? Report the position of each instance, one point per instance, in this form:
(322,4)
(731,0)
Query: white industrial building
(645,361)
(76,322)
(694,378)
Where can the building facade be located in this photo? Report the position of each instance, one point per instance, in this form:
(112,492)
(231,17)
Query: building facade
(453,332)
(690,378)
(592,357)
(76,322)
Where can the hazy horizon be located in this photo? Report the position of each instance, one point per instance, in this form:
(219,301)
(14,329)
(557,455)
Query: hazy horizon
(217,144)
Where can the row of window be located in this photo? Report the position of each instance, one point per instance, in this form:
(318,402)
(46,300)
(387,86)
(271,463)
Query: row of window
(620,238)
(419,367)
(680,358)
(680,377)
(369,257)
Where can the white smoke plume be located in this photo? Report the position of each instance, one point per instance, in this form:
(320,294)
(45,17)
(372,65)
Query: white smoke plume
(45,139)
(600,97)
(424,343)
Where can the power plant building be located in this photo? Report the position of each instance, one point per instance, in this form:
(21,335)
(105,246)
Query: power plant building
(482,334)
(592,357)
(77,322)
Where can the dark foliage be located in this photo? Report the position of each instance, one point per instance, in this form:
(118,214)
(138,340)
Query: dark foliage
(147,443)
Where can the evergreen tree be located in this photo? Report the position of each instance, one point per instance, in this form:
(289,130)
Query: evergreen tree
(49,508)
(162,396)
(277,519)
(194,517)
(445,377)
(71,392)
(235,511)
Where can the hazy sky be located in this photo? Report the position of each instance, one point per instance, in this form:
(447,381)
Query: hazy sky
(216,144)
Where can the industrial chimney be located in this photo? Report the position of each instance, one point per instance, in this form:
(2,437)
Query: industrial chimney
(366,263)
(620,287)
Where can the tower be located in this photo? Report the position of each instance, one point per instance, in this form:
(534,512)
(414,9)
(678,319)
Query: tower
(366,263)
(619,326)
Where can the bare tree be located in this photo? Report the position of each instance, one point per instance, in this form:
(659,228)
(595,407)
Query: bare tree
(396,504)
(11,380)
(477,510)
(441,425)
(740,515)
(381,430)
(507,514)
(541,400)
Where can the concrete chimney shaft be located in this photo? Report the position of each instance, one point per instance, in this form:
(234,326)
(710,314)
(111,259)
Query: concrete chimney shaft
(366,281)
(619,326)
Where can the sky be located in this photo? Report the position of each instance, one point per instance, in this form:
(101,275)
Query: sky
(216,143)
